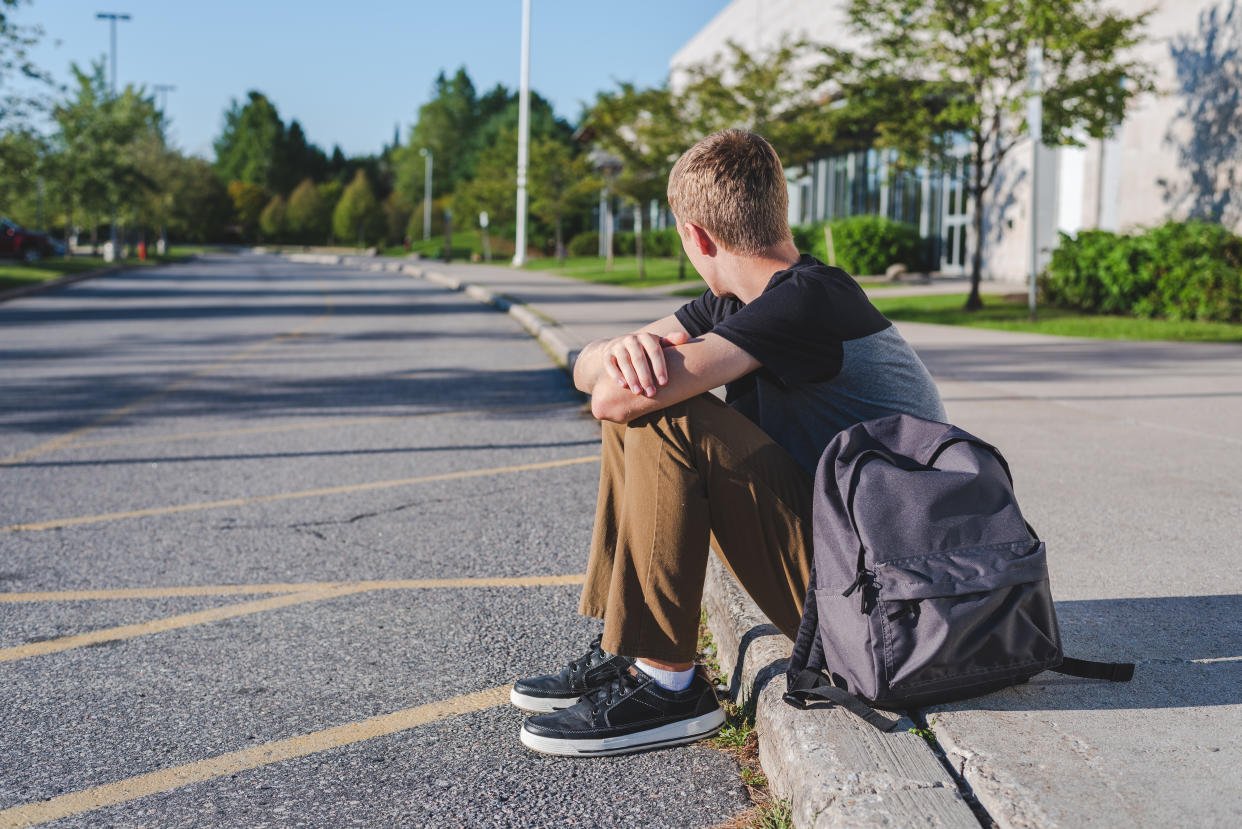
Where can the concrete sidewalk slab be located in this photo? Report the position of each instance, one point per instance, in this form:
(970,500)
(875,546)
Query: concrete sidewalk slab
(1127,458)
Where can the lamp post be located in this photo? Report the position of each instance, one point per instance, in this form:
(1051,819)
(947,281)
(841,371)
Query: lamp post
(519,253)
(426,154)
(112,18)
(162,89)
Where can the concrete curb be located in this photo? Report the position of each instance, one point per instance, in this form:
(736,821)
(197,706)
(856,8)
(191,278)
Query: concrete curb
(833,769)
(52,284)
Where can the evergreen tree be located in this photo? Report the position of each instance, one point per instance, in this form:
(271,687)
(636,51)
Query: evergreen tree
(355,213)
(272,219)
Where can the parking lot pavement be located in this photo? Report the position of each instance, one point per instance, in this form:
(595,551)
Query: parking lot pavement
(275,541)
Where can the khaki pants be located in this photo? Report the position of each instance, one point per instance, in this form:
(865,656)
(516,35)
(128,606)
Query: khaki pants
(669,481)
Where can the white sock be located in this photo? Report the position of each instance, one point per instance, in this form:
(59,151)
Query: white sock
(672,680)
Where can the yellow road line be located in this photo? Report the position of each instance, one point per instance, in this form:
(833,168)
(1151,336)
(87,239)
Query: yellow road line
(183,620)
(143,785)
(117,414)
(289,496)
(250,589)
(317,424)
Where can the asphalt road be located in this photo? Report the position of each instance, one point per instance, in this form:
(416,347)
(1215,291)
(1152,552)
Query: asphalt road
(252,521)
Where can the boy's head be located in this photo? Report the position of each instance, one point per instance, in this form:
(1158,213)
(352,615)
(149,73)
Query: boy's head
(733,186)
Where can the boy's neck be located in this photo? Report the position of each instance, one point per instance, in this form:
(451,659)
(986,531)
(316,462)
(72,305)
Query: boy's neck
(747,276)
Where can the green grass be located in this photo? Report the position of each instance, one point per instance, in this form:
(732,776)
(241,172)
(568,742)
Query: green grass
(625,271)
(775,814)
(1011,315)
(17,275)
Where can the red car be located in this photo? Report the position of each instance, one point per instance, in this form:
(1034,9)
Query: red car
(27,245)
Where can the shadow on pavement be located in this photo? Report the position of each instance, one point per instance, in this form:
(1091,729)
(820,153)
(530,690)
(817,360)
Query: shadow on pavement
(1187,652)
(51,405)
(1090,360)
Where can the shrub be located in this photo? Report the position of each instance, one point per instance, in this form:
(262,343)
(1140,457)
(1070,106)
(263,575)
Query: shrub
(804,237)
(623,244)
(584,244)
(665,243)
(869,244)
(1179,271)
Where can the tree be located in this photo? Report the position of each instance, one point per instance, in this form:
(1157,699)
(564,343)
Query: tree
(356,211)
(200,208)
(329,196)
(446,126)
(770,92)
(561,185)
(23,157)
(101,145)
(645,129)
(305,212)
(272,219)
(937,76)
(15,43)
(397,213)
(251,147)
(494,187)
(299,159)
(248,203)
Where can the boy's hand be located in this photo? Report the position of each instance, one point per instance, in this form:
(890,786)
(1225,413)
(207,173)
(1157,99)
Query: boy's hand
(636,361)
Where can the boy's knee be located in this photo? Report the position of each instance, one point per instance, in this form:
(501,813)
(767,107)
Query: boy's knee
(695,408)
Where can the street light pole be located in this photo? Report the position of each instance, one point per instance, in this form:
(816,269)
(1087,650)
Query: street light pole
(519,253)
(162,89)
(426,154)
(113,17)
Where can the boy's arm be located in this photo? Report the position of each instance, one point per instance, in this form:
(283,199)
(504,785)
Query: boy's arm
(634,361)
(698,366)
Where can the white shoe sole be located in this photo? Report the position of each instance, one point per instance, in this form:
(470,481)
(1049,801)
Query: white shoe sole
(677,733)
(539,705)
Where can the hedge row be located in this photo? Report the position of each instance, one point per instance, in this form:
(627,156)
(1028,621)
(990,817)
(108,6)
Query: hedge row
(865,245)
(658,243)
(1178,271)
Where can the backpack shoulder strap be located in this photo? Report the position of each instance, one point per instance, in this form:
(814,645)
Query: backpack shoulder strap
(808,652)
(1086,669)
(814,685)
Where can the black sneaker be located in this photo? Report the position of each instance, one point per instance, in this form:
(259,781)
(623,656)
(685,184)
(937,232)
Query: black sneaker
(553,692)
(630,713)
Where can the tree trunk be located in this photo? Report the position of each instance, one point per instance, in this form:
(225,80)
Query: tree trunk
(638,240)
(974,302)
(560,244)
(608,234)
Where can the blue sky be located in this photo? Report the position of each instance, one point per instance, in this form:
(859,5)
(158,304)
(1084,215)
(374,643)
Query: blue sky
(351,71)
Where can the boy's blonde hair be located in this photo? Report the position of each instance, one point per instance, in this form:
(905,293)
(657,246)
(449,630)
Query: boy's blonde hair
(732,184)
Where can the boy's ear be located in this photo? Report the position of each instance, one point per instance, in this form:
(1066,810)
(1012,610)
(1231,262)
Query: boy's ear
(700,239)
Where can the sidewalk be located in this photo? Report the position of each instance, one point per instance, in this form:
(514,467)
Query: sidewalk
(1127,458)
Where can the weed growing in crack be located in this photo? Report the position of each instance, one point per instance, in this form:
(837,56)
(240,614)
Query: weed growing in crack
(927,733)
(739,739)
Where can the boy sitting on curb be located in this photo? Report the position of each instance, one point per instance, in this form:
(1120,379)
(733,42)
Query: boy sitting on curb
(802,354)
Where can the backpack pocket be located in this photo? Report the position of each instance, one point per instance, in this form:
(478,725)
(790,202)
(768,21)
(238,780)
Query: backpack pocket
(962,622)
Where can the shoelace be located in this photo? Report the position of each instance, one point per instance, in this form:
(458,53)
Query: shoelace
(579,665)
(620,684)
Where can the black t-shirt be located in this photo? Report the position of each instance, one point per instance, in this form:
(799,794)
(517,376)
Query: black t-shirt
(828,358)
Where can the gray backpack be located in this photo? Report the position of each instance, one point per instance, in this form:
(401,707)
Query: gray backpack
(928,585)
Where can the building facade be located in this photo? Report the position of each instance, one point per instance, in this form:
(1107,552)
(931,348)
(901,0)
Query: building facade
(1177,154)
